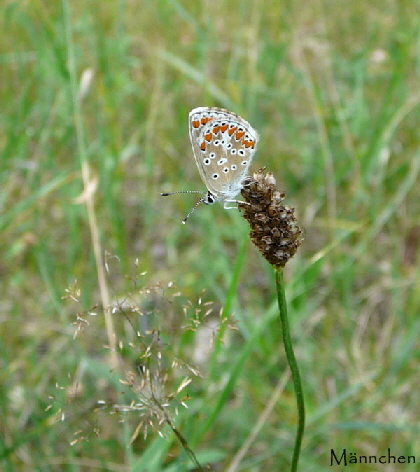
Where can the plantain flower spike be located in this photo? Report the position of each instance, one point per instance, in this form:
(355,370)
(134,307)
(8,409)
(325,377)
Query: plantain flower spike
(273,226)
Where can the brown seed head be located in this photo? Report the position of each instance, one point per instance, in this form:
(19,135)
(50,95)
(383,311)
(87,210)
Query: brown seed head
(273,226)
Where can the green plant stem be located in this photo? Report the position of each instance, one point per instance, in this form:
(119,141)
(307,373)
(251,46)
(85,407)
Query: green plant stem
(288,346)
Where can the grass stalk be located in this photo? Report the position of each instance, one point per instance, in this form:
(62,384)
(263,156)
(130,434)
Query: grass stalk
(291,359)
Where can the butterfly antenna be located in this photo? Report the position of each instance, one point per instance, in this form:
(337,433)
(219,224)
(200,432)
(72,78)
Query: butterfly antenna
(192,209)
(166,194)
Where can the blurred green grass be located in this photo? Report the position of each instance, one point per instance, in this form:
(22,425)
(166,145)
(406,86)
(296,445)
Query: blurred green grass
(332,88)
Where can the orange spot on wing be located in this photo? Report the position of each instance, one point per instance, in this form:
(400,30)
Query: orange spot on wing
(239,134)
(224,128)
(196,123)
(206,119)
(203,146)
(216,129)
(232,130)
(249,144)
(208,137)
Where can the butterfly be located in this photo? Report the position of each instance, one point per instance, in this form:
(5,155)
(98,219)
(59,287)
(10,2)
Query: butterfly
(223,144)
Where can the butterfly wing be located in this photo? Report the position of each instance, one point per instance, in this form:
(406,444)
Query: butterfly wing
(224,145)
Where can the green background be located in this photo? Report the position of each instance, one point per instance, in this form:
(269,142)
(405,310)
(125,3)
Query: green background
(94,102)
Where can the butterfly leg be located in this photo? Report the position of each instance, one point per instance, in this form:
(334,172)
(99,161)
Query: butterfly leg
(226,207)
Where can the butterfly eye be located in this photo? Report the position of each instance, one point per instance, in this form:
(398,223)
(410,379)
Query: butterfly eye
(241,152)
(229,146)
(212,155)
(244,163)
(233,151)
(215,176)
(217,142)
(221,161)
(233,166)
(226,170)
(206,162)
